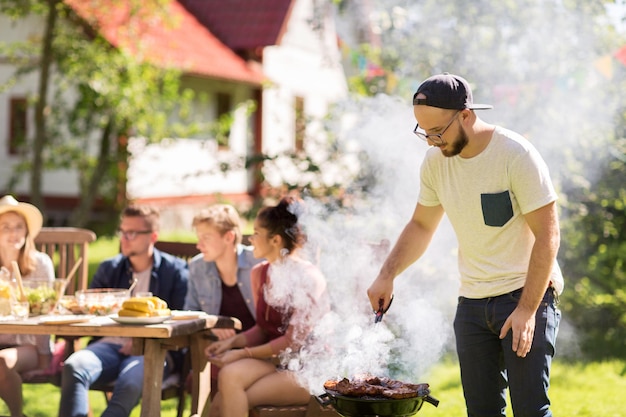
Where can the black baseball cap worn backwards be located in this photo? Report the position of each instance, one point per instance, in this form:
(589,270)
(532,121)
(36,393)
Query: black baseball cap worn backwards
(447,91)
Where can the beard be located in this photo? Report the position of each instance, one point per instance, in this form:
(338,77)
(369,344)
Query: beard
(129,251)
(459,143)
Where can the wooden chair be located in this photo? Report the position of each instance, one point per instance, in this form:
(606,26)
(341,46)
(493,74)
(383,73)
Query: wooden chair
(64,245)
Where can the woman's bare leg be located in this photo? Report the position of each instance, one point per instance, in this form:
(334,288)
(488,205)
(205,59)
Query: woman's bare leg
(233,381)
(277,388)
(12,362)
(215,408)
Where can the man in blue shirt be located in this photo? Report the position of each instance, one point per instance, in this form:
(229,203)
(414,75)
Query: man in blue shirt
(108,359)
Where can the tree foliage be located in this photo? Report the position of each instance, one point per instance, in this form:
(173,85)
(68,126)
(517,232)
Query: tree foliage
(593,256)
(99,92)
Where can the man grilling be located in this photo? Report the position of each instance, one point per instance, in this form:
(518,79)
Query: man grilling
(495,188)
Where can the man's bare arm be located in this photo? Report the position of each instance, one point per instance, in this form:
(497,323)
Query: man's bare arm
(410,246)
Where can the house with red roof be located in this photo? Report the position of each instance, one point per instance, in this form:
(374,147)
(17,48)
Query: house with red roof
(280,55)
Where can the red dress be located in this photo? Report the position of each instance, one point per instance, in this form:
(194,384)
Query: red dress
(273,322)
(308,302)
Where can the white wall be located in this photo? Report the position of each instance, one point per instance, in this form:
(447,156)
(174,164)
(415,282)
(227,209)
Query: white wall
(184,167)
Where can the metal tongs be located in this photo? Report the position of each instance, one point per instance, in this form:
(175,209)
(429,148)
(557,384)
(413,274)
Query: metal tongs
(380,312)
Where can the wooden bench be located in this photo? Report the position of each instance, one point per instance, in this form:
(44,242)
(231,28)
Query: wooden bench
(312,409)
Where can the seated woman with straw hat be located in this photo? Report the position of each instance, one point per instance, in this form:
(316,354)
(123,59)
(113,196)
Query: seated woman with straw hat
(19,224)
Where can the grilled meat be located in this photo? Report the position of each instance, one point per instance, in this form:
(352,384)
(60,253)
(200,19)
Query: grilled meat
(372,386)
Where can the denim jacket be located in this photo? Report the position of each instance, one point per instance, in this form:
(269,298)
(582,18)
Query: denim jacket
(205,284)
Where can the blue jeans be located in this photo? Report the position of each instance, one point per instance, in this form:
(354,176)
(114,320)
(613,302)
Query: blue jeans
(489,365)
(99,365)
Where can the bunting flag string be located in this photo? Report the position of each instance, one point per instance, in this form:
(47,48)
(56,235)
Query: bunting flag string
(604,65)
(365,66)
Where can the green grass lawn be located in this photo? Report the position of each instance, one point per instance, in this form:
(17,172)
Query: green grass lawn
(42,400)
(578,390)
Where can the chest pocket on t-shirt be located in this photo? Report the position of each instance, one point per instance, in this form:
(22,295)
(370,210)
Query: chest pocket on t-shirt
(497,208)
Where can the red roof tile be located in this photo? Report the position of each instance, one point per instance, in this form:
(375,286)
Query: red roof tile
(178,42)
(243,24)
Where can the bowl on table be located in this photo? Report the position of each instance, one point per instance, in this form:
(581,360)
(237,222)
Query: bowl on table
(101,301)
(68,304)
(41,295)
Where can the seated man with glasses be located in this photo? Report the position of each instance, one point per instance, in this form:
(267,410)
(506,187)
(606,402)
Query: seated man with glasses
(107,360)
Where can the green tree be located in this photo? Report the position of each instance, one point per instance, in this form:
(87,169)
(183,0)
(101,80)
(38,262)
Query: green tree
(594,254)
(99,92)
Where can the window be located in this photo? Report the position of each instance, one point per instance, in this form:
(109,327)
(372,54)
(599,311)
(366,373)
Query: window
(224,119)
(18,108)
(300,124)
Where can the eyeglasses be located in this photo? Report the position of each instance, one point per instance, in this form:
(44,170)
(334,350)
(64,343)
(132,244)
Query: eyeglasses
(435,138)
(131,234)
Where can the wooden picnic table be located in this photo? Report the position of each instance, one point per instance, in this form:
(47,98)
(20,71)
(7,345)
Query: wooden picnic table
(151,340)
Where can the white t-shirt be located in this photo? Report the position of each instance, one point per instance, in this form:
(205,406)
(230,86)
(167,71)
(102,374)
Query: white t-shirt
(485,198)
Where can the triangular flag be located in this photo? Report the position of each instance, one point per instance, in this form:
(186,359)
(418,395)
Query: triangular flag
(620,55)
(605,66)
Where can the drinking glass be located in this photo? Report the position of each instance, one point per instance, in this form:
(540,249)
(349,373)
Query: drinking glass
(143,294)
(20,310)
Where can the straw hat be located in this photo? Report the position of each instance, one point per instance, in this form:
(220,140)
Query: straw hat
(33,216)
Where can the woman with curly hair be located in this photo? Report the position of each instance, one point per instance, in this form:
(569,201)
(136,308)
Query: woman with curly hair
(259,365)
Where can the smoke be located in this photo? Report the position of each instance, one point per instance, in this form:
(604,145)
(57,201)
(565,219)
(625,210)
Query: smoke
(346,245)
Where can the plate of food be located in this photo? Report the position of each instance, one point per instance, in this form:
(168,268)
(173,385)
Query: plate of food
(142,310)
(139,320)
(66,319)
(187,314)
